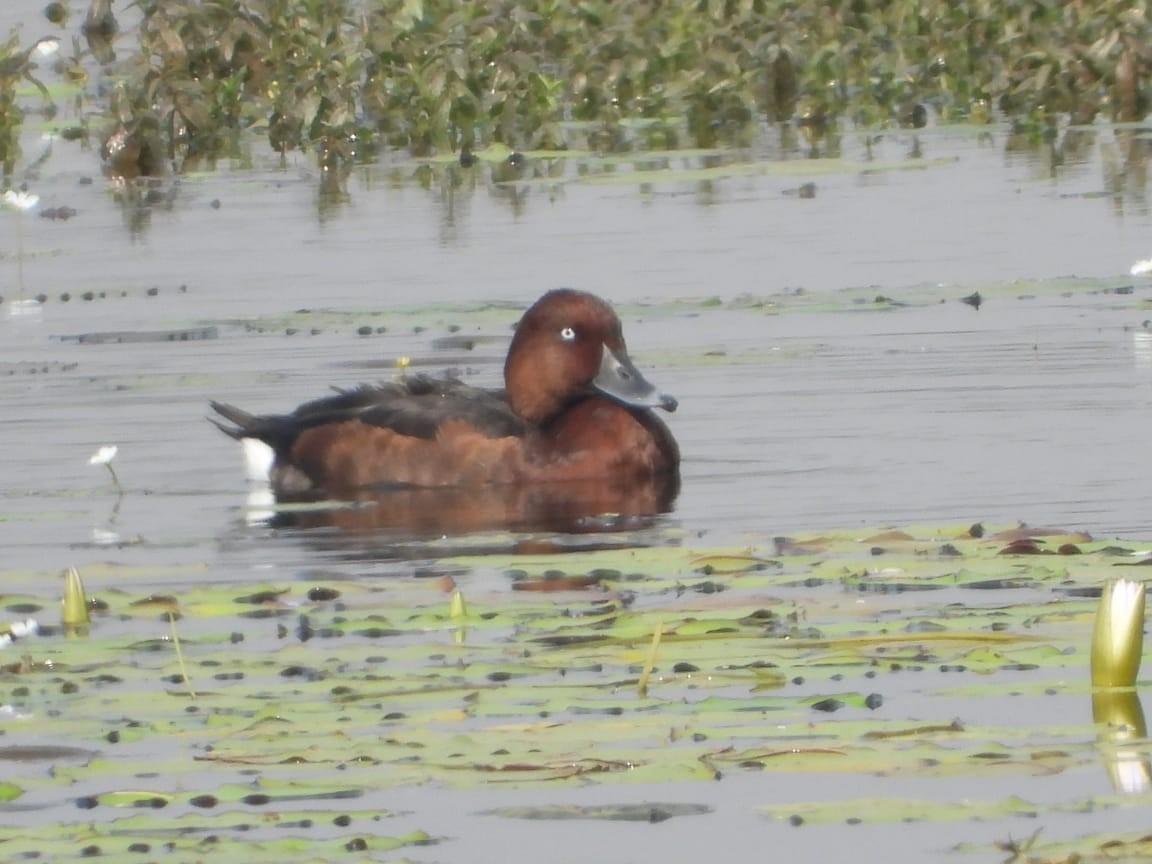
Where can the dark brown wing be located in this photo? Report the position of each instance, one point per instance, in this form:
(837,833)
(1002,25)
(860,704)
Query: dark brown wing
(416,407)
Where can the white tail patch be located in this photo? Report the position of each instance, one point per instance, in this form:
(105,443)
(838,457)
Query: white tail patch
(260,504)
(258,458)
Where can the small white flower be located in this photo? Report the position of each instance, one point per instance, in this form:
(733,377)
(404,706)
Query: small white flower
(104,455)
(1141,267)
(21,200)
(20,629)
(47,47)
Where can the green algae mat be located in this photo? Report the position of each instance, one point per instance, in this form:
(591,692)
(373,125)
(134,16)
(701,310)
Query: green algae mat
(267,722)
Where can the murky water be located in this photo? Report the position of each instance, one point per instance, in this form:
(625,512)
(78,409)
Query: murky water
(824,412)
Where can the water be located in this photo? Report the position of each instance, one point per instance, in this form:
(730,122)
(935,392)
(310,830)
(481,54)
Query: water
(1027,409)
(821,412)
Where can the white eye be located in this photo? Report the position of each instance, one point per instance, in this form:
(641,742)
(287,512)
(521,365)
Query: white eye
(567,334)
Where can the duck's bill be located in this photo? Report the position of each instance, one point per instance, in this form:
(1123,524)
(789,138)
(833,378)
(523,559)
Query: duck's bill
(622,381)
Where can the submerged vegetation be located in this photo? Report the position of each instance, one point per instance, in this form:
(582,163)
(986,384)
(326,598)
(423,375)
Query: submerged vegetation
(346,78)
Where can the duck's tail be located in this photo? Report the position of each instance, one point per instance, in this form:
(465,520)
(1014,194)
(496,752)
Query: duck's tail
(244,424)
(256,434)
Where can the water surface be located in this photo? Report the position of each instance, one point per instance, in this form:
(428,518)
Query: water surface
(807,403)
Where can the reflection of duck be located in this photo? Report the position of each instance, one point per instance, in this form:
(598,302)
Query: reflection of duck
(579,506)
(576,413)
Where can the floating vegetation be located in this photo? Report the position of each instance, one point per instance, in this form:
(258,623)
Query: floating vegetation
(294,705)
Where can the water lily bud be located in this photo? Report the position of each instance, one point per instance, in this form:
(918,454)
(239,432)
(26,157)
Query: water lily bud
(457,608)
(1118,639)
(75,614)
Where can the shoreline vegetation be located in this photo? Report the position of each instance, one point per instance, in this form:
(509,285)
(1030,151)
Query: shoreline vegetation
(346,80)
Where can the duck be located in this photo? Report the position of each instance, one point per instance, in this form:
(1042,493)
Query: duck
(574,409)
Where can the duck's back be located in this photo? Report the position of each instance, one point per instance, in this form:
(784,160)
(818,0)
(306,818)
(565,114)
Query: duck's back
(417,406)
(378,434)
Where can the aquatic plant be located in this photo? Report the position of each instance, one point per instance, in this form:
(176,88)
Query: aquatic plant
(435,75)
(17,65)
(1118,637)
(343,79)
(17,630)
(74,605)
(282,715)
(104,456)
(21,202)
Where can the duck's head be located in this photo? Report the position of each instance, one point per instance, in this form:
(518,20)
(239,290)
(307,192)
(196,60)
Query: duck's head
(568,345)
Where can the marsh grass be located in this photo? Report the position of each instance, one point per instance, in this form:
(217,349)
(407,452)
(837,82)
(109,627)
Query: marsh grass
(436,75)
(346,79)
(17,65)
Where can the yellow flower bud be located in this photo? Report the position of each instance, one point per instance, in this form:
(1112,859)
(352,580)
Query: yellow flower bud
(1118,640)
